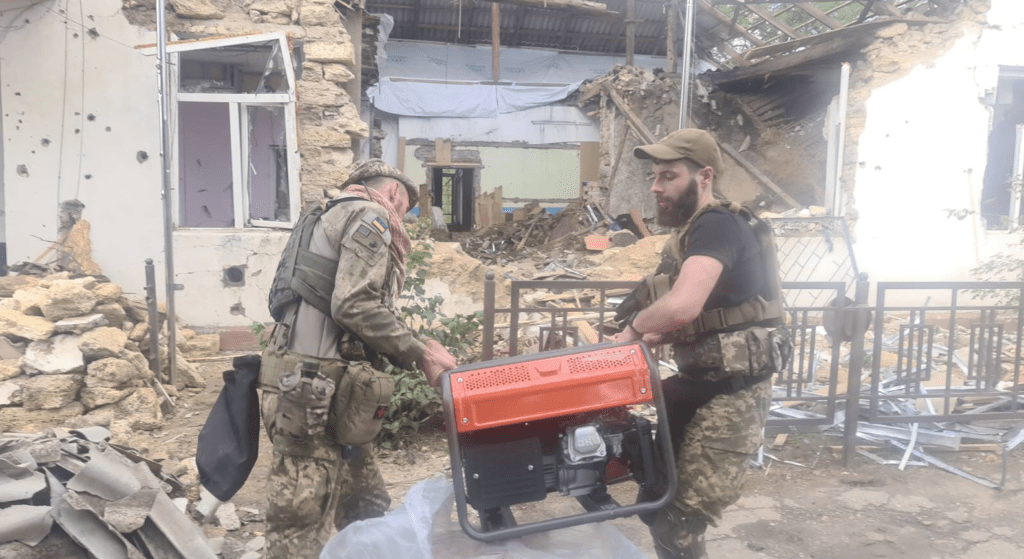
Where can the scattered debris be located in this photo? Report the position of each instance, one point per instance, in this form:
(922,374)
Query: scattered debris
(64,493)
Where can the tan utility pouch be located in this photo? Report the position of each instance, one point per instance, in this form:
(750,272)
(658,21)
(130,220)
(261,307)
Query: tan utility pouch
(360,404)
(754,351)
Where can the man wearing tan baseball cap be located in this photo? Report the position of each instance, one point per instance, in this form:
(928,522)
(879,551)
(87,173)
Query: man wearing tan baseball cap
(714,300)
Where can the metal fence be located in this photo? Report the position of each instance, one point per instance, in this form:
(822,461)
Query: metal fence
(919,364)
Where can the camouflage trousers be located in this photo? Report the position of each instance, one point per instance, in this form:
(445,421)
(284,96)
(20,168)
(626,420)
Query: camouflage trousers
(312,497)
(710,466)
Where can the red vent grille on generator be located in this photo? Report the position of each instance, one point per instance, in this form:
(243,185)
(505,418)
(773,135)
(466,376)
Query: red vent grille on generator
(583,381)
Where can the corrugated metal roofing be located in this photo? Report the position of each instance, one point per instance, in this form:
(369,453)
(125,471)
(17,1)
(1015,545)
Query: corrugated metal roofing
(469,22)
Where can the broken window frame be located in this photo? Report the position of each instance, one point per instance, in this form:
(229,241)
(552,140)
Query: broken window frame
(239,104)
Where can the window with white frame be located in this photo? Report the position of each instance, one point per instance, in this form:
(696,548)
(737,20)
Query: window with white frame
(236,150)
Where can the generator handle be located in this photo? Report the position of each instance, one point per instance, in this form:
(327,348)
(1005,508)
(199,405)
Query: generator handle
(664,439)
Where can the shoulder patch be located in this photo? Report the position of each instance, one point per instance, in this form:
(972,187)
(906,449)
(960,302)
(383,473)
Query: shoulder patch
(369,237)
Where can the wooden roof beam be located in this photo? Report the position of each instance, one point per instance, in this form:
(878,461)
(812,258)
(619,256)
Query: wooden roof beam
(724,20)
(819,15)
(774,21)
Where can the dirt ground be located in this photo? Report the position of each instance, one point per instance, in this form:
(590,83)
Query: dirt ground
(826,511)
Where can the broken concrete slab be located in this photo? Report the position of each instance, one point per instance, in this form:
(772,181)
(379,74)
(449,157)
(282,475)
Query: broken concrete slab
(57,356)
(48,392)
(31,299)
(107,293)
(102,342)
(80,324)
(16,325)
(93,398)
(67,299)
(10,394)
(56,544)
(11,350)
(105,475)
(200,346)
(138,361)
(142,409)
(110,372)
(113,312)
(21,489)
(10,368)
(139,332)
(26,420)
(26,523)
(227,517)
(10,284)
(10,304)
(196,9)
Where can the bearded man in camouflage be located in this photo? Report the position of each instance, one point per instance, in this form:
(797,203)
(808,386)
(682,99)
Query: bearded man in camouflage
(334,300)
(717,299)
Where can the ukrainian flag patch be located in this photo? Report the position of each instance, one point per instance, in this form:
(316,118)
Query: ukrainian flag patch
(379,224)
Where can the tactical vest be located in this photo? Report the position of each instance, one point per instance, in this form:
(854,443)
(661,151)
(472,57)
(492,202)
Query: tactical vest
(753,310)
(301,273)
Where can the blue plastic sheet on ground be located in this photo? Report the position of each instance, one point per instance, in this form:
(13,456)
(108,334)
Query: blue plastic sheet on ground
(423,528)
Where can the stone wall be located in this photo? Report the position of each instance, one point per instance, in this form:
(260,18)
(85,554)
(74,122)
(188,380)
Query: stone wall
(74,347)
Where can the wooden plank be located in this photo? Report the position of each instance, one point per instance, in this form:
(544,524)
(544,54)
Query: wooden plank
(401,154)
(634,121)
(724,20)
(638,220)
(425,200)
(671,25)
(819,15)
(630,30)
(770,18)
(590,159)
(495,42)
(758,174)
(588,335)
(442,152)
(496,204)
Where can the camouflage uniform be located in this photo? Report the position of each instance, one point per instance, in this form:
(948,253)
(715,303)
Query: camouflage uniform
(314,492)
(714,434)
(711,462)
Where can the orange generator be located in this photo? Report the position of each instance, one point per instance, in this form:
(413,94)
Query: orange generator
(559,421)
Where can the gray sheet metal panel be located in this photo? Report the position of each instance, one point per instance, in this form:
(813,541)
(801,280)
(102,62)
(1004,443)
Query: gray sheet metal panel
(185,536)
(25,523)
(87,529)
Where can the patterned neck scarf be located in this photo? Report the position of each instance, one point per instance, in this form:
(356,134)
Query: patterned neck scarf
(400,243)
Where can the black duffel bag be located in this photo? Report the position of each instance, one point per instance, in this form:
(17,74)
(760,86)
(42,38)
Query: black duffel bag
(229,442)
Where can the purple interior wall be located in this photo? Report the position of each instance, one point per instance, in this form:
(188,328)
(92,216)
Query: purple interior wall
(204,168)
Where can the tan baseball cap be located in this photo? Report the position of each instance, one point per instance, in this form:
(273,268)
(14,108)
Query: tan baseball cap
(369,168)
(688,143)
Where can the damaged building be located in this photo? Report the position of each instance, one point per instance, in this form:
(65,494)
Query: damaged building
(872,113)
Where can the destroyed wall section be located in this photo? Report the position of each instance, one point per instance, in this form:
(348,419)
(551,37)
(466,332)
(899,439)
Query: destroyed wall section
(917,142)
(654,99)
(103,147)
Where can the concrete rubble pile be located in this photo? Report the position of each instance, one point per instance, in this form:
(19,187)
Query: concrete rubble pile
(73,494)
(80,347)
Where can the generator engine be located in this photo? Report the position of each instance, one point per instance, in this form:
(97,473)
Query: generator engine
(555,422)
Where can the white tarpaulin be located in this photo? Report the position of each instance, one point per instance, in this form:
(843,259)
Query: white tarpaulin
(530,78)
(465,100)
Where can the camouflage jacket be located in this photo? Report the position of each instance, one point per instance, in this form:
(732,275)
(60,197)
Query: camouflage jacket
(365,290)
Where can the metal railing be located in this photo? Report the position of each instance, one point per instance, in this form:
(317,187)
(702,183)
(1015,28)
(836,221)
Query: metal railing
(939,356)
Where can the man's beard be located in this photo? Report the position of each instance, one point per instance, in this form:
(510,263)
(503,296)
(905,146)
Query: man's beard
(681,209)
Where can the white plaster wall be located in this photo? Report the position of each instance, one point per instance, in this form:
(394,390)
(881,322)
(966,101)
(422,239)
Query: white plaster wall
(45,94)
(923,150)
(201,257)
(55,76)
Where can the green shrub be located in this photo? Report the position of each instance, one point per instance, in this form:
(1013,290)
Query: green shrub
(414,401)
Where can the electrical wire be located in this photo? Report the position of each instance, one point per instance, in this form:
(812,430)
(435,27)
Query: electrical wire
(81,109)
